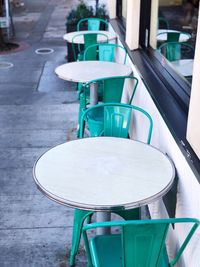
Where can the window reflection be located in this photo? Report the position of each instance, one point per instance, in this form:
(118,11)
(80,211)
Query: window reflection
(176,34)
(124,9)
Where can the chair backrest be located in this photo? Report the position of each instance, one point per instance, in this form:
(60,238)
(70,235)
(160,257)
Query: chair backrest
(112,87)
(113,119)
(92,24)
(143,242)
(173,36)
(163,23)
(106,52)
(176,51)
(88,39)
(168,36)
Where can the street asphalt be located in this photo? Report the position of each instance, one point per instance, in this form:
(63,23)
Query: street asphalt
(38,111)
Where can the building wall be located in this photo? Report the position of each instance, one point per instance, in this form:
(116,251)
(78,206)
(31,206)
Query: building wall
(188,193)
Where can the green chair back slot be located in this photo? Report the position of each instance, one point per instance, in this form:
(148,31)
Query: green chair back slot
(112,89)
(173,36)
(89,39)
(116,121)
(93,24)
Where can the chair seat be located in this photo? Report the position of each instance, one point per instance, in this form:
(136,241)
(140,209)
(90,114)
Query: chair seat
(95,122)
(106,251)
(140,243)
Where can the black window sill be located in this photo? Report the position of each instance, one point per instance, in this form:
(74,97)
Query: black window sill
(169,92)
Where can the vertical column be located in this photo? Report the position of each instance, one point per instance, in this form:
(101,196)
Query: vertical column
(133,24)
(112,8)
(193,127)
(154,23)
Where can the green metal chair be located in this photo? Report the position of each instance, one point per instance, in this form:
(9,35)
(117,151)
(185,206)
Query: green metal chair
(109,90)
(92,24)
(89,39)
(175,51)
(105,52)
(139,243)
(117,118)
(171,37)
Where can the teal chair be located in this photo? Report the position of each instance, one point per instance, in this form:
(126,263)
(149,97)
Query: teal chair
(175,51)
(117,118)
(103,52)
(106,52)
(92,24)
(138,244)
(109,90)
(171,37)
(89,39)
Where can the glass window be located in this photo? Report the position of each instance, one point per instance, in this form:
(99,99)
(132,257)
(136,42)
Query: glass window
(122,10)
(176,34)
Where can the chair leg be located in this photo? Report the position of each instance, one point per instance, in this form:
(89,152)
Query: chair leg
(79,218)
(81,110)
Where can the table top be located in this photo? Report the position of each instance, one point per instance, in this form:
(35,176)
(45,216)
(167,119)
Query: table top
(80,40)
(162,35)
(104,173)
(84,71)
(184,66)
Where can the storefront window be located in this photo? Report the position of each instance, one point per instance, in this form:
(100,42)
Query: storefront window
(122,10)
(176,34)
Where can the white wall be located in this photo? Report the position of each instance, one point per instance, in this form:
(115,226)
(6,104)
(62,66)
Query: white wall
(188,195)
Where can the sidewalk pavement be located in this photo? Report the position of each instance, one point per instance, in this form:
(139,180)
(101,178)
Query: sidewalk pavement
(38,111)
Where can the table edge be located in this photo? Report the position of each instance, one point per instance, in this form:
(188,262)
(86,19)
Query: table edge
(73,204)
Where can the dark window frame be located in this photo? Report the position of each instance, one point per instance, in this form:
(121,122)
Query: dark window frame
(180,88)
(172,100)
(119,13)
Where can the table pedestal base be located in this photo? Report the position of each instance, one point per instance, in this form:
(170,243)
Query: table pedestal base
(103,217)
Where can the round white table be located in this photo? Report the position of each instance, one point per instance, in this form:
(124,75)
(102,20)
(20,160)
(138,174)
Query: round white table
(85,71)
(162,35)
(104,174)
(80,40)
(183,66)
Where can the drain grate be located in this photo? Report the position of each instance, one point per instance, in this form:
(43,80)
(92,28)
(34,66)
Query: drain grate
(44,51)
(6,65)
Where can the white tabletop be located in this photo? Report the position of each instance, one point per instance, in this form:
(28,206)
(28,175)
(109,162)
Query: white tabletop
(162,35)
(80,40)
(103,173)
(84,71)
(183,66)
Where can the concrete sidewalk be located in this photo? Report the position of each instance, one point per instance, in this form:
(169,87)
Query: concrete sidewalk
(38,111)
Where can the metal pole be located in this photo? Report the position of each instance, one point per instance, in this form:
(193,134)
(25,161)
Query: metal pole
(7,17)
